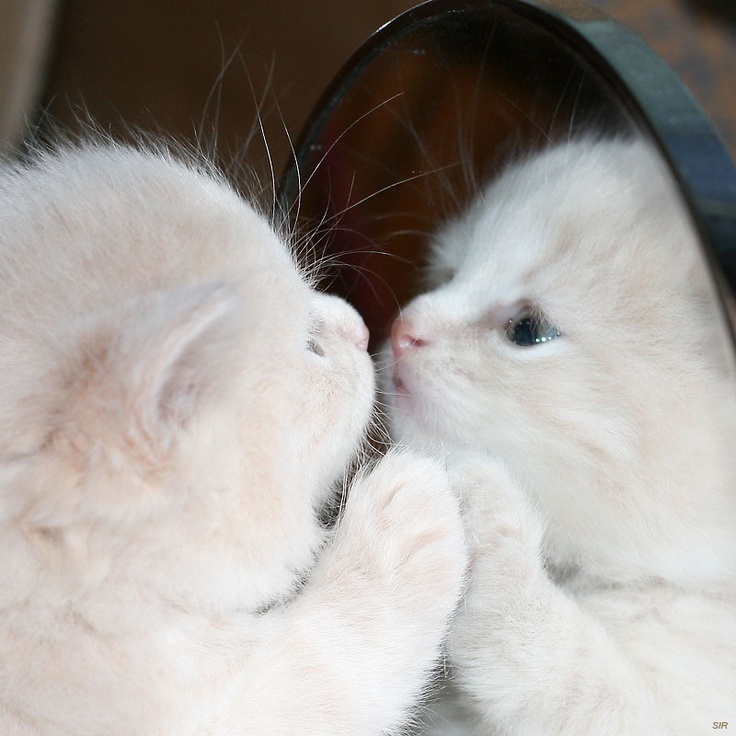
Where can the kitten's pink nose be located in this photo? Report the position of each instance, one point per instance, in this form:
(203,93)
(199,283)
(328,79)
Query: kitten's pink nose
(403,337)
(357,333)
(363,337)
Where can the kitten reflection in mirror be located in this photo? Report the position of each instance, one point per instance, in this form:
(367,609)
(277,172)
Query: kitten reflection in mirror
(176,403)
(570,365)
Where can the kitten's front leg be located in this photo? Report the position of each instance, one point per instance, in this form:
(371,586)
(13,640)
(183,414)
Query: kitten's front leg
(353,653)
(527,658)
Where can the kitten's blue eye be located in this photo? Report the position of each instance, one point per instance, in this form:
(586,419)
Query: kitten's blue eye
(530,327)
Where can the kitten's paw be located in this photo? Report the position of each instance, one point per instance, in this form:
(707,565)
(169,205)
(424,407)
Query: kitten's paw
(403,532)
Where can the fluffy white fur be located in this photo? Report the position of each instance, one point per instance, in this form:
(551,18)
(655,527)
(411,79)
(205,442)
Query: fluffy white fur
(598,467)
(175,405)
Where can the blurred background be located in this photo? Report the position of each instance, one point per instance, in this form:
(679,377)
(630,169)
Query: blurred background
(190,68)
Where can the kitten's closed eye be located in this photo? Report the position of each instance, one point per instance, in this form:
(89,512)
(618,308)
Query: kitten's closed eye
(530,327)
(313,344)
(314,347)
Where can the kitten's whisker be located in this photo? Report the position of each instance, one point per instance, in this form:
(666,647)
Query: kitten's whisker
(560,99)
(570,129)
(337,140)
(547,137)
(215,93)
(261,127)
(295,158)
(378,192)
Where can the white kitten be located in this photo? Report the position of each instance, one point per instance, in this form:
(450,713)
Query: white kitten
(573,367)
(175,404)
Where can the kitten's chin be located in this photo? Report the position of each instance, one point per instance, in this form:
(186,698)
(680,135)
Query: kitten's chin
(412,419)
(397,386)
(400,389)
(404,416)
(409,426)
(402,400)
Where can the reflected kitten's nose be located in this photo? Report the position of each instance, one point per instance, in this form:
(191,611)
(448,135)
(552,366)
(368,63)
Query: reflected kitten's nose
(403,337)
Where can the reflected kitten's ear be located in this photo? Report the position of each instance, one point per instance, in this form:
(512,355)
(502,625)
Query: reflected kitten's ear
(146,370)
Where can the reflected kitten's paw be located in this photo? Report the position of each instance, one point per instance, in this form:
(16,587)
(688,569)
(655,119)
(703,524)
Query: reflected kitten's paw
(504,531)
(402,527)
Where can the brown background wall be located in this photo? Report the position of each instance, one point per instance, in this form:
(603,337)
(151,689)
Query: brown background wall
(155,63)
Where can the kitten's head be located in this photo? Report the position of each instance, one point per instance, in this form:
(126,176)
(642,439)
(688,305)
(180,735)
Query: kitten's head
(574,335)
(175,400)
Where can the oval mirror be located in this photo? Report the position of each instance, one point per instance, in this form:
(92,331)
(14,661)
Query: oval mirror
(437,101)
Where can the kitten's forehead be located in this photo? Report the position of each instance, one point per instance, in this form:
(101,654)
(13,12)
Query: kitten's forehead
(554,221)
(163,222)
(502,252)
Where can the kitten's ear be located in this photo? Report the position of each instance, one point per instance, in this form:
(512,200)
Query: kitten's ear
(177,352)
(152,365)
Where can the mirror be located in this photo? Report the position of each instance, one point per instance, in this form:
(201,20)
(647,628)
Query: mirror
(439,99)
(574,359)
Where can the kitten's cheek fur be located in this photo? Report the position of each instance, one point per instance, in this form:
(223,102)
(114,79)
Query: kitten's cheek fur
(340,381)
(339,406)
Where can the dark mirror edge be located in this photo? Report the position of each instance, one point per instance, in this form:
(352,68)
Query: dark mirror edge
(647,88)
(665,109)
